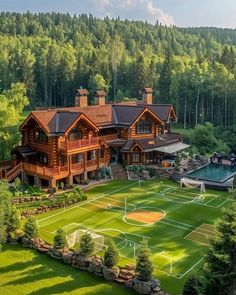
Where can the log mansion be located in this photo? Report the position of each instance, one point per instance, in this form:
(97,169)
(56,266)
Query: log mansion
(71,144)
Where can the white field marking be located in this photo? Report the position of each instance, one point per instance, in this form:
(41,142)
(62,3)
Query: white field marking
(174,225)
(222,204)
(178,222)
(200,233)
(88,201)
(158,254)
(133,224)
(210,200)
(190,202)
(182,196)
(187,271)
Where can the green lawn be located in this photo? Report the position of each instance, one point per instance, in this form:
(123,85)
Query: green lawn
(178,242)
(27,272)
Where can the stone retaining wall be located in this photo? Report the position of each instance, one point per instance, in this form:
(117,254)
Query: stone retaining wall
(94,264)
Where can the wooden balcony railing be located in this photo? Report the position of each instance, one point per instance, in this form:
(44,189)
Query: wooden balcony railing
(77,166)
(43,170)
(77,144)
(93,162)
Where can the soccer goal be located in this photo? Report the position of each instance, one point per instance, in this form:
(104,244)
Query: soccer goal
(73,239)
(190,183)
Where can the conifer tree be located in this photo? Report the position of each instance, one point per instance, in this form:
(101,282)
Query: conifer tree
(219,276)
(31,228)
(165,78)
(144,266)
(59,240)
(12,222)
(111,255)
(86,244)
(191,286)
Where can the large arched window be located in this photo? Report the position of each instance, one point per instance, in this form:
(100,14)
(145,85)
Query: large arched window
(144,126)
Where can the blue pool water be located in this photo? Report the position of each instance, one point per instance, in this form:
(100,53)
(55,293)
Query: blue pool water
(213,172)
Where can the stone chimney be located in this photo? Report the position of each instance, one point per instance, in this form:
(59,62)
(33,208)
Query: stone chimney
(100,97)
(147,95)
(81,97)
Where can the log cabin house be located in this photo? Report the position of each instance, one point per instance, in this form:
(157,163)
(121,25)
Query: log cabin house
(71,144)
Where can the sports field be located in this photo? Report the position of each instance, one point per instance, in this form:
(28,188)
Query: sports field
(177,222)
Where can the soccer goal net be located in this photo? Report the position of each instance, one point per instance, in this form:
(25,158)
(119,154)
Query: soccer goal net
(190,183)
(73,239)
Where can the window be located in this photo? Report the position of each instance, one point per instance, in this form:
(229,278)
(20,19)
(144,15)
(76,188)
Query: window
(77,158)
(144,126)
(91,155)
(40,136)
(102,153)
(75,134)
(136,158)
(43,158)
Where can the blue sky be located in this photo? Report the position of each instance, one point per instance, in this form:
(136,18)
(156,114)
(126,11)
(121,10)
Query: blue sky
(179,12)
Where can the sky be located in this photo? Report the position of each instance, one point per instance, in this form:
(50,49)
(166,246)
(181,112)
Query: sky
(184,13)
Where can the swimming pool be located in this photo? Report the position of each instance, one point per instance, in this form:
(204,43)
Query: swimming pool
(213,172)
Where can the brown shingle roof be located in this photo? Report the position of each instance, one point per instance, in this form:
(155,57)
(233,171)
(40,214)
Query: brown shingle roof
(59,120)
(147,143)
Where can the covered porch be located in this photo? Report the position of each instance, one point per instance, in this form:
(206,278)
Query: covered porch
(153,153)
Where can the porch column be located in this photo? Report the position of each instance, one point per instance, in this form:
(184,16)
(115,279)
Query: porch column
(69,180)
(52,183)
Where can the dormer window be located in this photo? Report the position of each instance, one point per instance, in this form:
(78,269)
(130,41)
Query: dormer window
(144,126)
(40,136)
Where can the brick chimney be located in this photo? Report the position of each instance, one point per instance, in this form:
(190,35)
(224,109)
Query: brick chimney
(100,97)
(81,97)
(147,95)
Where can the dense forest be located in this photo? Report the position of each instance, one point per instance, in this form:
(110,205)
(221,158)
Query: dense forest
(53,54)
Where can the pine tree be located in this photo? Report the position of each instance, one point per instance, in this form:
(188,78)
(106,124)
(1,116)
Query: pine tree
(219,276)
(111,255)
(12,222)
(86,244)
(191,286)
(144,266)
(165,78)
(59,241)
(31,228)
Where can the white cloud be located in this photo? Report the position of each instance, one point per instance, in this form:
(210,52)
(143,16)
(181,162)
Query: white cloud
(134,9)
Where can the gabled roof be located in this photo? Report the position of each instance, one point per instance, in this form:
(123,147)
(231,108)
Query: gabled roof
(56,122)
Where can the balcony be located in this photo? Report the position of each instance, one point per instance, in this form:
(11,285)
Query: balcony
(45,171)
(68,145)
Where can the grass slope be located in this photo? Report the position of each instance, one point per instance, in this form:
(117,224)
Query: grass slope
(27,272)
(166,237)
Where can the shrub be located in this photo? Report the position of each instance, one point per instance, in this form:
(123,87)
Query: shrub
(59,241)
(144,266)
(31,228)
(111,255)
(190,286)
(86,245)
